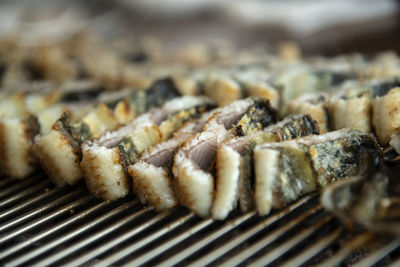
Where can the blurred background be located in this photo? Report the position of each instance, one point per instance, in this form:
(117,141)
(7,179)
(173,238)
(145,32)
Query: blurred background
(319,27)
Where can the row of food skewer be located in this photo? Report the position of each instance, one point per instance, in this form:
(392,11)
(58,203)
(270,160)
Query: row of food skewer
(254,133)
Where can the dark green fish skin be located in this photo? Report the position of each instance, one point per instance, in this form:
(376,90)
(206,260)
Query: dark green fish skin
(336,159)
(382,89)
(298,126)
(261,114)
(77,134)
(86,95)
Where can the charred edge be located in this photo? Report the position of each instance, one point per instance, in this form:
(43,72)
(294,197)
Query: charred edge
(138,57)
(3,68)
(190,113)
(258,116)
(252,170)
(293,129)
(33,126)
(383,88)
(161,91)
(125,161)
(244,92)
(200,88)
(169,165)
(86,94)
(127,151)
(33,72)
(76,135)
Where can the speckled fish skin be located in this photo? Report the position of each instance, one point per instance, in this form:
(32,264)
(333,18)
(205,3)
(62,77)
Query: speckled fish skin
(338,158)
(234,162)
(314,105)
(105,160)
(321,159)
(194,162)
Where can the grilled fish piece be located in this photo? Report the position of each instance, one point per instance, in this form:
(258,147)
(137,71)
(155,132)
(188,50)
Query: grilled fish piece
(194,161)
(46,104)
(301,80)
(372,200)
(285,171)
(234,164)
(225,88)
(313,104)
(152,172)
(222,89)
(59,152)
(351,108)
(105,160)
(385,111)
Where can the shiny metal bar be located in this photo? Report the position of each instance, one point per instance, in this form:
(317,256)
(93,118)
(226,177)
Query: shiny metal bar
(118,240)
(170,243)
(280,250)
(76,232)
(67,209)
(12,212)
(23,194)
(18,186)
(218,252)
(191,249)
(375,257)
(90,240)
(271,237)
(355,243)
(5,181)
(150,238)
(313,250)
(29,216)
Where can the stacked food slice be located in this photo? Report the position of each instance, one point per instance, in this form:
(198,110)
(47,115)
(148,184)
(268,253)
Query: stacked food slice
(105,159)
(24,115)
(194,162)
(59,151)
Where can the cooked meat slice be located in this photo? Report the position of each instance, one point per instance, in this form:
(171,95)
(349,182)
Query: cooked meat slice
(222,89)
(152,172)
(64,141)
(303,80)
(105,159)
(233,162)
(385,110)
(313,104)
(351,108)
(285,171)
(193,163)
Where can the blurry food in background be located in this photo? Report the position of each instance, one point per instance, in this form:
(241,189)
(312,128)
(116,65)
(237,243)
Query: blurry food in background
(87,87)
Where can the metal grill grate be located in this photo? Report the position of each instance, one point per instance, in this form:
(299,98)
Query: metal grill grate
(43,225)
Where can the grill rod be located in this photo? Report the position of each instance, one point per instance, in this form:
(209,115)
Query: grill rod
(41,225)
